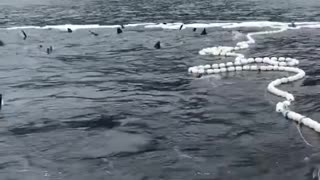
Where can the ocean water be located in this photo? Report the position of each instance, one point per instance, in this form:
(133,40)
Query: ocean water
(113,107)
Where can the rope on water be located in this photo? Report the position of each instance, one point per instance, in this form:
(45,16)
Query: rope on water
(259,64)
(302,137)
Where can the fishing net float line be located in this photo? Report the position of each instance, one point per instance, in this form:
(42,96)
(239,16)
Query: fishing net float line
(241,63)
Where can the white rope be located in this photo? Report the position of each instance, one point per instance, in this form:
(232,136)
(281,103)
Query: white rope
(302,137)
(259,64)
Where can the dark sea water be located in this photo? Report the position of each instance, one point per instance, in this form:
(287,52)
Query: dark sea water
(111,107)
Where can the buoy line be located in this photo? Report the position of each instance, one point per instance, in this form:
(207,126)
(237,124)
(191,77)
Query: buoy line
(241,63)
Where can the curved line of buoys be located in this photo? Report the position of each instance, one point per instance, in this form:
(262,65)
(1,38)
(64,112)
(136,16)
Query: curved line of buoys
(241,63)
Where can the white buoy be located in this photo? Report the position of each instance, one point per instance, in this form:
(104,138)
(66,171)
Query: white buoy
(238,59)
(237,63)
(253,68)
(201,67)
(250,60)
(280,107)
(202,52)
(288,59)
(216,71)
(229,63)
(258,60)
(195,71)
(284,80)
(291,63)
(222,65)
(246,67)
(266,59)
(231,69)
(216,52)
(238,68)
(210,71)
(215,66)
(207,66)
(201,71)
(270,68)
(244,61)
(223,69)
(190,69)
(274,59)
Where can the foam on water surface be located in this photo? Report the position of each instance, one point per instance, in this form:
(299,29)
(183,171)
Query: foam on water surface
(176,25)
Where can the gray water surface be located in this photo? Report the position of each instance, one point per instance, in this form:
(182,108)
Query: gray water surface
(112,107)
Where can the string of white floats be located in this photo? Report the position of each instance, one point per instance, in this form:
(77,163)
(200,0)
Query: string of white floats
(259,64)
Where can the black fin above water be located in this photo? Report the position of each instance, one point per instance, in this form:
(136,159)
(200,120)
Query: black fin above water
(1,102)
(1,43)
(119,31)
(157,45)
(93,33)
(49,50)
(204,32)
(194,29)
(40,46)
(122,26)
(69,30)
(292,24)
(24,34)
(181,27)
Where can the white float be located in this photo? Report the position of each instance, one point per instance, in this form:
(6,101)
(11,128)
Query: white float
(273,64)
